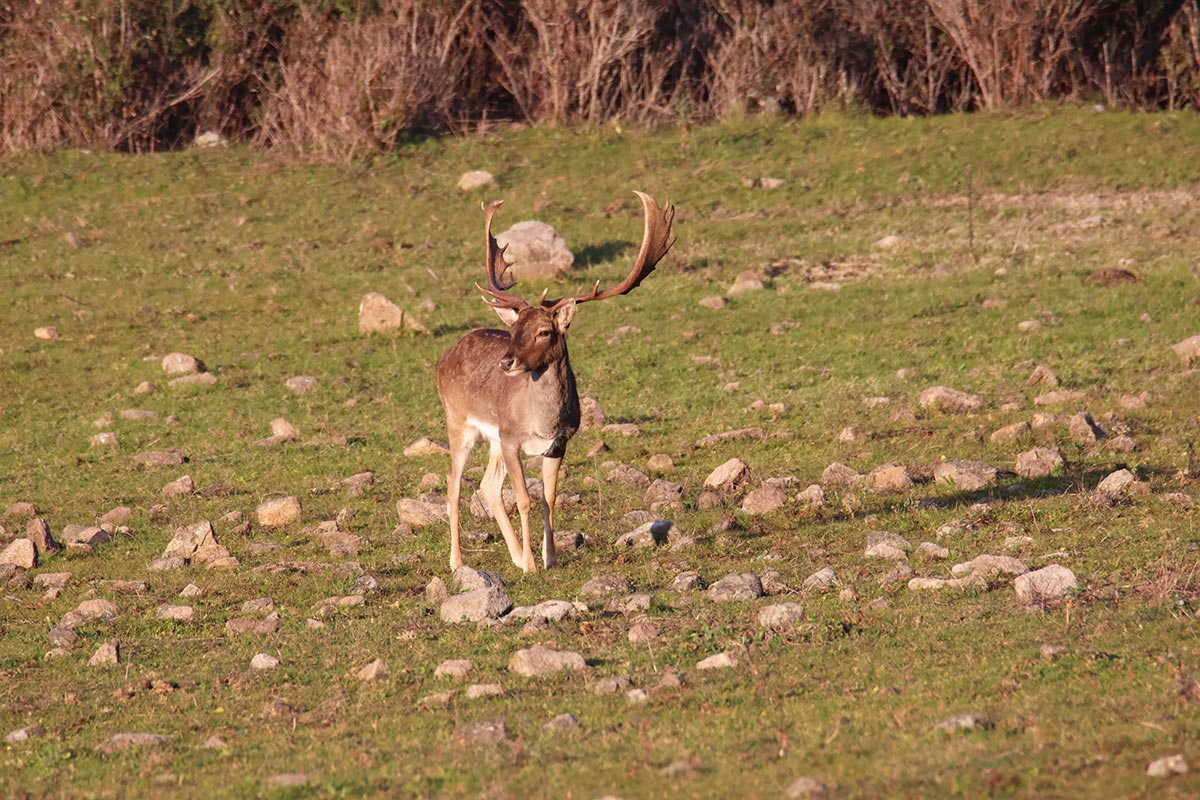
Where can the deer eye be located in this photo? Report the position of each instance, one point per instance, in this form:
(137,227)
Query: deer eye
(542,334)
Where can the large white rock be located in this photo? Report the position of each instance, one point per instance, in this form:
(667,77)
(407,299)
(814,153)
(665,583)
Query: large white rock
(536,251)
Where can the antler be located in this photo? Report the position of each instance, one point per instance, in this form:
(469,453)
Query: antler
(656,241)
(498,282)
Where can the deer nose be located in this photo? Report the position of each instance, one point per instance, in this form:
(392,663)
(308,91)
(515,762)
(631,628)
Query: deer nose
(506,363)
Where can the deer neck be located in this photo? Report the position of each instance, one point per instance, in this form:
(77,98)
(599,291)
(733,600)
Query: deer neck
(553,404)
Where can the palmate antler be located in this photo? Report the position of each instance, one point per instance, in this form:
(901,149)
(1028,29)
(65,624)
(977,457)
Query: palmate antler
(656,242)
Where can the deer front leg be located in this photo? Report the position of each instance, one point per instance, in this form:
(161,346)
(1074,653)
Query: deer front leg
(549,491)
(492,488)
(460,448)
(512,461)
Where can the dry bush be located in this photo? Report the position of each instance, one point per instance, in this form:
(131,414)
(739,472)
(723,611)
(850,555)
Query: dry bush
(346,87)
(1179,61)
(90,72)
(576,61)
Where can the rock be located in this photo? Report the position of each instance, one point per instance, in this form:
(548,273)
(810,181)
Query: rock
(687,581)
(1084,430)
(456,668)
(728,477)
(475,179)
(1039,462)
(160,458)
(989,566)
(377,670)
(46,332)
(1058,397)
(780,617)
(378,314)
(177,613)
(87,535)
(1011,433)
(166,564)
(812,497)
(287,780)
(1188,350)
(468,578)
(426,447)
(949,401)
(480,690)
(967,476)
(642,631)
(104,439)
(264,662)
(247,626)
(536,251)
(971,581)
(1115,483)
(736,587)
(191,540)
(1167,766)
(563,723)
(629,476)
(489,602)
(820,581)
(52,580)
(20,553)
(764,500)
(181,486)
(20,509)
(301,384)
(199,379)
(175,364)
(436,591)
(963,722)
(885,544)
(144,388)
(25,734)
(539,661)
(420,513)
(724,660)
(931,550)
(278,512)
(837,474)
(714,302)
(806,788)
(486,732)
(605,586)
(612,684)
(127,741)
(890,478)
(746,281)
(106,653)
(738,435)
(1045,587)
(283,430)
(663,494)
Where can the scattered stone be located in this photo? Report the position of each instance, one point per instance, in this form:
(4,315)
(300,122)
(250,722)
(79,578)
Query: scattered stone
(215,743)
(971,581)
(489,602)
(725,660)
(1039,462)
(52,580)
(963,722)
(605,586)
(890,478)
(806,788)
(1045,587)
(949,401)
(663,494)
(967,476)
(46,332)
(837,474)
(248,626)
(629,476)
(104,439)
(885,544)
(200,379)
(426,447)
(746,281)
(539,661)
(1059,397)
(736,587)
(1188,350)
(84,535)
(20,509)
(1115,484)
(356,485)
(285,780)
(812,496)
(181,486)
(1049,652)
(20,553)
(263,662)
(278,512)
(175,364)
(739,435)
(729,477)
(990,566)
(117,516)
(931,550)
(780,617)
(378,314)
(764,500)
(160,458)
(536,251)
(715,302)
(106,653)
(1167,766)
(687,581)
(377,670)
(126,741)
(642,631)
(144,388)
(191,590)
(467,578)
(820,581)
(195,543)
(177,613)
(166,564)
(1084,430)
(1011,433)
(25,734)
(456,668)
(301,384)
(420,513)
(477,691)
(475,179)
(486,732)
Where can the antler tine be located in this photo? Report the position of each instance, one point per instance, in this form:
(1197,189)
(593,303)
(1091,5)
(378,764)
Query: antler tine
(656,241)
(498,281)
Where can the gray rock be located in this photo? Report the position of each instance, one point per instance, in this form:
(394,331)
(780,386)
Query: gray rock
(725,660)
(484,732)
(1167,766)
(467,579)
(1116,483)
(629,476)
(107,653)
(25,734)
(1084,430)
(127,741)
(52,580)
(1039,462)
(436,591)
(746,281)
(286,780)
(812,496)
(837,474)
(764,500)
(475,179)
(166,564)
(806,788)
(780,617)
(1188,350)
(378,314)
(20,553)
(967,476)
(478,691)
(642,631)
(605,586)
(248,626)
(420,513)
(728,477)
(174,364)
(663,494)
(202,380)
(1045,587)
(190,540)
(931,550)
(715,302)
(963,722)
(738,435)
(539,661)
(686,581)
(456,668)
(278,512)
(264,662)
(377,670)
(822,580)
(989,566)
(563,723)
(549,610)
(177,613)
(971,581)
(890,478)
(489,602)
(611,684)
(1011,433)
(179,487)
(160,458)
(949,401)
(736,587)
(657,532)
(536,251)
(885,544)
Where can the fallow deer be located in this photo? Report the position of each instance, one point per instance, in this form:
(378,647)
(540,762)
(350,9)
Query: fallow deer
(516,389)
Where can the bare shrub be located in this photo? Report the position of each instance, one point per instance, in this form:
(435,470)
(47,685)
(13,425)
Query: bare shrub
(347,87)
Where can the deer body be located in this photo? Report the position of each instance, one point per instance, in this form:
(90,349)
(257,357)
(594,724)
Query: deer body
(516,389)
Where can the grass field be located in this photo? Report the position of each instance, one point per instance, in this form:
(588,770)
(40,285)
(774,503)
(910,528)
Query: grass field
(966,251)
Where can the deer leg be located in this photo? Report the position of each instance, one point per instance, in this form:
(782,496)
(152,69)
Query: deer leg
(492,488)
(460,448)
(549,492)
(512,460)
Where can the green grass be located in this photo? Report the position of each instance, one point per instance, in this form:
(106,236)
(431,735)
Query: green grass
(257,266)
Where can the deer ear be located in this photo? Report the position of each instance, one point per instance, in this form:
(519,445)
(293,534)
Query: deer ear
(507,315)
(564,315)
